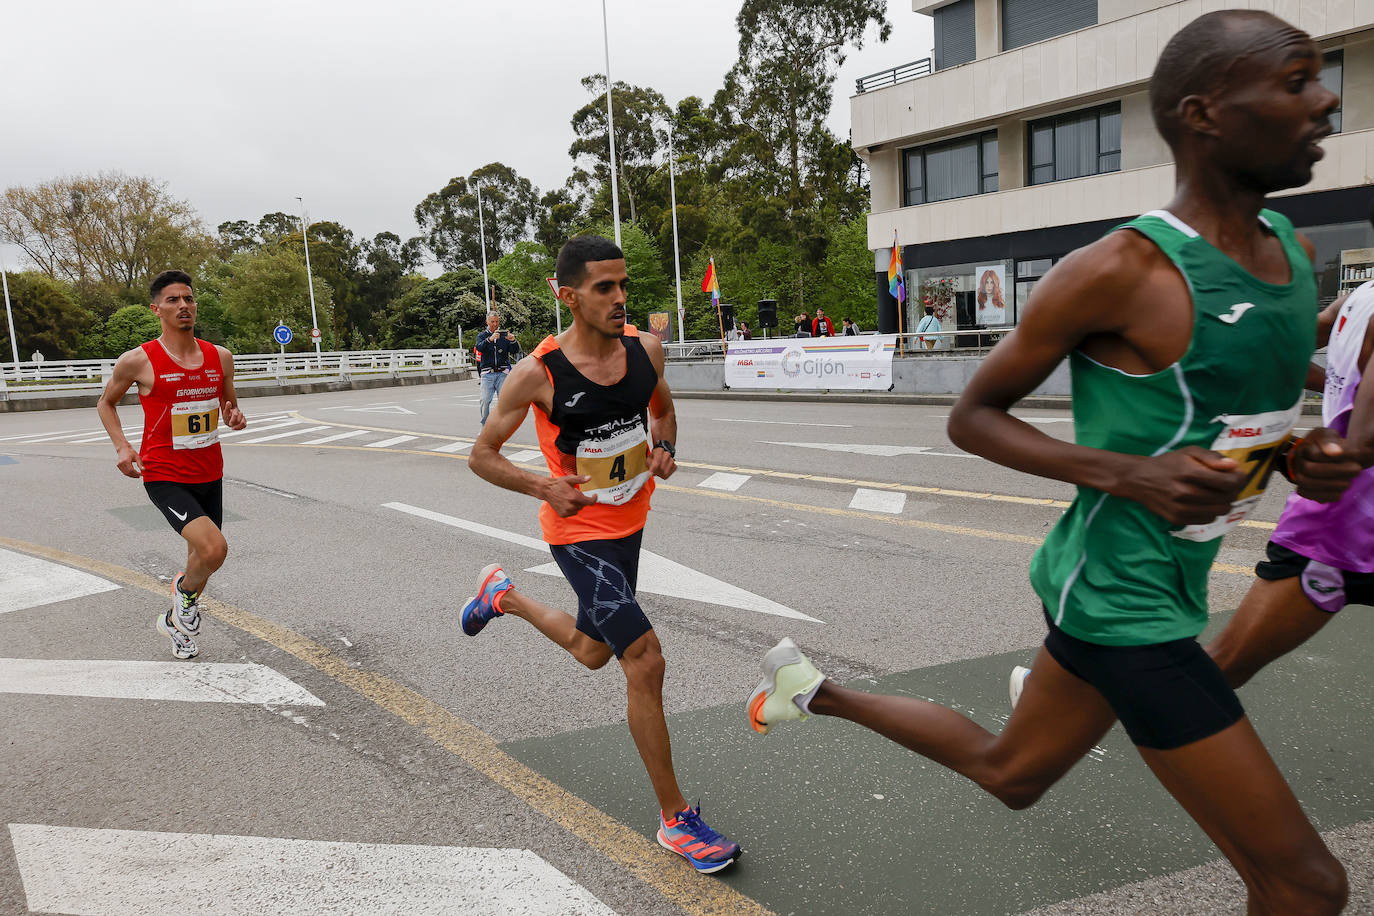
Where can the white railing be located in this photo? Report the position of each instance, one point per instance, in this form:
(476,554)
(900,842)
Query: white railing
(965,343)
(87,375)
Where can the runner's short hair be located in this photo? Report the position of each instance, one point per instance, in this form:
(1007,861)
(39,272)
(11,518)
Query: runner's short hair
(166,279)
(577,251)
(1200,56)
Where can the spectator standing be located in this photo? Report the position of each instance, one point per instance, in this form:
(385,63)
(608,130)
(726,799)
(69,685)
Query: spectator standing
(822,326)
(744,332)
(929,325)
(803,325)
(495,349)
(850,328)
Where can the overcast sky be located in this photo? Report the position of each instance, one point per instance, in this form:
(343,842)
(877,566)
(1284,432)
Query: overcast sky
(363,108)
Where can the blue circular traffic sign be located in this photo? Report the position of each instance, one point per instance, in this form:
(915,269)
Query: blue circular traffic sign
(282,334)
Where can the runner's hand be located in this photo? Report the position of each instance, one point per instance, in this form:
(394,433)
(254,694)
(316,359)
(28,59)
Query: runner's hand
(661,464)
(563,495)
(128,462)
(233,416)
(1323,466)
(1191,486)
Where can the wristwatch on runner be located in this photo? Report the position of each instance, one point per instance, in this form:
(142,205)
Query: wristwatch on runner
(667,447)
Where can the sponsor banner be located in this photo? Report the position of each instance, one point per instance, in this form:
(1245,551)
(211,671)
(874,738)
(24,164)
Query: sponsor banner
(854,363)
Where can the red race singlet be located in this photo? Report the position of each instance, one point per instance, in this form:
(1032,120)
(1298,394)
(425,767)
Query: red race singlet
(181,417)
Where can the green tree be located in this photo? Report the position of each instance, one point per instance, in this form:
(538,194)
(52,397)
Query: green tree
(639,112)
(132,326)
(449,221)
(436,312)
(526,270)
(846,282)
(264,286)
(47,318)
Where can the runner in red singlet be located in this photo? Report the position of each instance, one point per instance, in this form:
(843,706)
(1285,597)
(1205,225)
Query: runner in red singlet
(185,385)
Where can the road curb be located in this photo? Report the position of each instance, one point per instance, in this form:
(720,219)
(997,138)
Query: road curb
(244,390)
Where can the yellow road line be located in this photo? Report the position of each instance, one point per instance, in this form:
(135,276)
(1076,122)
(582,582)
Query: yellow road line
(657,868)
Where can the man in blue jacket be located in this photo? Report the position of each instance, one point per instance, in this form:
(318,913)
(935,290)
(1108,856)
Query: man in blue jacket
(496,350)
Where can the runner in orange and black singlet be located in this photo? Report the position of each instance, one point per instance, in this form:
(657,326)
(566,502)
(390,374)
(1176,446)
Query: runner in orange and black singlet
(606,426)
(186,387)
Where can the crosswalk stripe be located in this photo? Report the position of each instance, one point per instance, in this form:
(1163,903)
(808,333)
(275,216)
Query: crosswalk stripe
(49,433)
(289,432)
(878,501)
(454,447)
(526,455)
(27,582)
(84,432)
(248,431)
(336,437)
(385,443)
(723,481)
(105,437)
(103,872)
(143,680)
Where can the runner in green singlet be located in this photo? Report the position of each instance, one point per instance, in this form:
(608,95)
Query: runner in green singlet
(1189,331)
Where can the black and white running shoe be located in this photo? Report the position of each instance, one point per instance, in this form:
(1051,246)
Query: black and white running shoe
(185,607)
(183,646)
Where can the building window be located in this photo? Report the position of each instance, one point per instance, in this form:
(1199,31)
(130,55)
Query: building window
(955,168)
(954,34)
(1025,22)
(1076,144)
(1333,74)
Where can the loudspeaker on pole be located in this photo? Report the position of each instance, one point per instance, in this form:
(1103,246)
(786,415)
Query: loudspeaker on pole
(768,313)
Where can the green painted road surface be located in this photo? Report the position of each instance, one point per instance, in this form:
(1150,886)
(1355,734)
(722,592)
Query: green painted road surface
(834,819)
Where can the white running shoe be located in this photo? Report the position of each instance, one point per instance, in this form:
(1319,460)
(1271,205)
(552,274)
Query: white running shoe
(787,674)
(186,608)
(183,646)
(1017,683)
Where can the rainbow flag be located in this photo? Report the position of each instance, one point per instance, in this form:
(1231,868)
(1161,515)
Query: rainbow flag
(710,284)
(896,280)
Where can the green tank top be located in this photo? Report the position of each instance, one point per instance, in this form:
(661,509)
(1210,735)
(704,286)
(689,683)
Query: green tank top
(1114,573)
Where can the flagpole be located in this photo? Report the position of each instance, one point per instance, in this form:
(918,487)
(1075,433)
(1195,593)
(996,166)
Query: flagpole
(720,322)
(901,305)
(677,263)
(610,125)
(482,241)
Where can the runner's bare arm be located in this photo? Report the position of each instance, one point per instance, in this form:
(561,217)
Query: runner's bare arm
(229,399)
(526,385)
(1108,293)
(131,368)
(662,414)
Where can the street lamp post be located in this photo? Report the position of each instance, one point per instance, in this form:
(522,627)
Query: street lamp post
(677,261)
(482,241)
(610,125)
(310,283)
(9,317)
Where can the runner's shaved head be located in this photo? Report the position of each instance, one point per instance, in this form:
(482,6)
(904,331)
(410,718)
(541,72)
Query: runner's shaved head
(1200,58)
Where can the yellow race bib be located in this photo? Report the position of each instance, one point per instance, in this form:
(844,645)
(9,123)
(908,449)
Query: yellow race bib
(195,424)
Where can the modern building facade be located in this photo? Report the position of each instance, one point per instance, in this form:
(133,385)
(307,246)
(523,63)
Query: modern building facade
(1027,134)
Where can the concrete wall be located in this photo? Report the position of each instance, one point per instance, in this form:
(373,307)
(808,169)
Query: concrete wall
(915,375)
(1357,93)
(1141,144)
(987,28)
(1011,154)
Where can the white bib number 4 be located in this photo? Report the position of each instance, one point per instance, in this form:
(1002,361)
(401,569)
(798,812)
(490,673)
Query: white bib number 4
(195,424)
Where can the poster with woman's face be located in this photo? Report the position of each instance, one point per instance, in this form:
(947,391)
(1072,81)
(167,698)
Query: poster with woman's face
(991,309)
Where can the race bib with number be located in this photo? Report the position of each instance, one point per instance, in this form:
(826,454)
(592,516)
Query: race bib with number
(617,461)
(1252,442)
(195,424)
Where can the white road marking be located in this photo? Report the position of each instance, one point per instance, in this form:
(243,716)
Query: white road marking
(657,575)
(525,455)
(454,447)
(352,433)
(84,432)
(387,443)
(381,408)
(289,432)
(258,486)
(49,433)
(188,682)
(27,582)
(107,872)
(878,501)
(781,422)
(105,437)
(723,481)
(1046,419)
(881,451)
(250,429)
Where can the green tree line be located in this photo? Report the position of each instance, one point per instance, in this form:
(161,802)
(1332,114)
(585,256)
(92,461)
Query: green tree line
(762,186)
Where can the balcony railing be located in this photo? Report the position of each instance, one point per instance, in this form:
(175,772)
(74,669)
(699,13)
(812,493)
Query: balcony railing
(895,75)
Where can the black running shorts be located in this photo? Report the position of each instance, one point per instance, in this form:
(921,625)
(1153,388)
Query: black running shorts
(1166,694)
(604,574)
(182,503)
(1327,587)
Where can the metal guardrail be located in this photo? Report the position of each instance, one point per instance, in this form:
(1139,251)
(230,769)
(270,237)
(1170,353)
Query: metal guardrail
(91,374)
(966,342)
(894,75)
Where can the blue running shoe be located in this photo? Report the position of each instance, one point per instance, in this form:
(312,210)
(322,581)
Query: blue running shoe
(480,610)
(686,834)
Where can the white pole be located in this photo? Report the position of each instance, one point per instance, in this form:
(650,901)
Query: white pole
(677,265)
(610,125)
(309,282)
(9,317)
(482,240)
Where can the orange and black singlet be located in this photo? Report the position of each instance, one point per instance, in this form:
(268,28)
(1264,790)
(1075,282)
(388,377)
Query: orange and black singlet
(601,431)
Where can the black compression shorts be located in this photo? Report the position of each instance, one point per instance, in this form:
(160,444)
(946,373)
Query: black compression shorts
(182,503)
(604,575)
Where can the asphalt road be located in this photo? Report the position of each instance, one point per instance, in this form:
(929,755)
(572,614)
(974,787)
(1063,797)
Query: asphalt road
(400,766)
